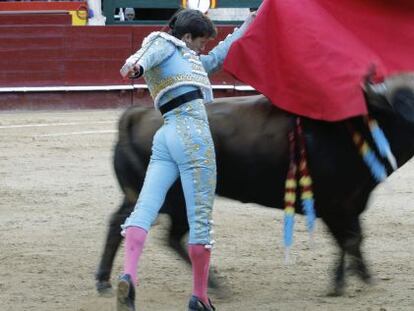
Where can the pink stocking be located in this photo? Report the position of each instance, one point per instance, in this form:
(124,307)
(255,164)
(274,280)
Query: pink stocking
(134,244)
(200,260)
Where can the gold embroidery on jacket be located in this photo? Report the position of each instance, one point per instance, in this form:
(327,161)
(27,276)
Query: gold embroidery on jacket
(156,83)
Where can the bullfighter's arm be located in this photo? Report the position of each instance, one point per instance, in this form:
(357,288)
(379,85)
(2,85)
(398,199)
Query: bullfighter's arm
(215,58)
(152,53)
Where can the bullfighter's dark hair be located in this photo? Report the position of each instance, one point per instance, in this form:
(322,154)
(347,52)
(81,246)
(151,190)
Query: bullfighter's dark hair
(191,21)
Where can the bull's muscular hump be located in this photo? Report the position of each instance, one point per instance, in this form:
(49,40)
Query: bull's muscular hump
(251,142)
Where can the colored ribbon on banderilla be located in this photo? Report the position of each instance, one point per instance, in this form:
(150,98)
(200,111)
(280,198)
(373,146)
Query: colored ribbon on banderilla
(381,142)
(298,169)
(374,162)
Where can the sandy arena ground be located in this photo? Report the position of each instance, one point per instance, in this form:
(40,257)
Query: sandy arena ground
(57,190)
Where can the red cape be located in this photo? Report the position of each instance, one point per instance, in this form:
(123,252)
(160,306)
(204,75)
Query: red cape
(310,57)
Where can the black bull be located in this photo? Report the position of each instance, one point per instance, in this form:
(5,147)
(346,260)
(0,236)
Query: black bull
(251,142)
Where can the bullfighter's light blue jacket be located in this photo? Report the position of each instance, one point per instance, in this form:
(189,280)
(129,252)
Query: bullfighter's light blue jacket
(172,69)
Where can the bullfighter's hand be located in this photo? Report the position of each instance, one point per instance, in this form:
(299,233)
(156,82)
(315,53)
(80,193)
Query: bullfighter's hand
(130,71)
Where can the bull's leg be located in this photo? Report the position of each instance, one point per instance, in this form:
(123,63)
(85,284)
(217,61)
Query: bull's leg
(352,243)
(340,226)
(112,243)
(345,226)
(175,239)
(353,249)
(175,207)
(339,281)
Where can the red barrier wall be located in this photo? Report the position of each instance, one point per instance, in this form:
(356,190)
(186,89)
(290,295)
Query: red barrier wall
(42,5)
(73,56)
(35,19)
(47,56)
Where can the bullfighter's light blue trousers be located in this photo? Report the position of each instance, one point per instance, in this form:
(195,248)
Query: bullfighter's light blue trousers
(182,147)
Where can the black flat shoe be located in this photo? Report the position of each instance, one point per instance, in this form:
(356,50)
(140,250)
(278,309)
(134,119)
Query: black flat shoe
(125,294)
(196,304)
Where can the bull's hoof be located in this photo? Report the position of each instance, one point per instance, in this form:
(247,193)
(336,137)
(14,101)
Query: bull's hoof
(222,292)
(217,286)
(338,290)
(104,288)
(214,281)
(359,269)
(365,277)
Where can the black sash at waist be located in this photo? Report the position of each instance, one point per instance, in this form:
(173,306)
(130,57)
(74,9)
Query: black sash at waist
(179,100)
